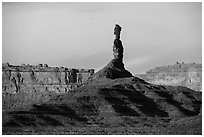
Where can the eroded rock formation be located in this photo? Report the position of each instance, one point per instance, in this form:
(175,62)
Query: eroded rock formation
(115,68)
(38,83)
(179,74)
(14,77)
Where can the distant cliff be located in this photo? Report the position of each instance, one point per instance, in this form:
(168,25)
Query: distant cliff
(16,77)
(28,83)
(179,74)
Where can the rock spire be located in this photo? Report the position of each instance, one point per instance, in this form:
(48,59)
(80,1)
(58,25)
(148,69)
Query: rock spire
(117,47)
(115,68)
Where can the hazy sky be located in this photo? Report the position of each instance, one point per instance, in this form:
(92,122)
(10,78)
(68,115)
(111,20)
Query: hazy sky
(80,35)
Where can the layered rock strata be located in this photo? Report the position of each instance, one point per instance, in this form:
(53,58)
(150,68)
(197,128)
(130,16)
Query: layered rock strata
(28,83)
(115,68)
(179,74)
(14,77)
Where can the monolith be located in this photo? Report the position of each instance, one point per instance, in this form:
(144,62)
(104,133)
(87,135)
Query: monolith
(115,68)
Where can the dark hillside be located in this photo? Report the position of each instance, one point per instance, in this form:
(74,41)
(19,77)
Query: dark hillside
(106,106)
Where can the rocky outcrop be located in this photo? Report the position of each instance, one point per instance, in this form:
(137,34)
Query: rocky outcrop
(179,74)
(14,77)
(35,83)
(115,68)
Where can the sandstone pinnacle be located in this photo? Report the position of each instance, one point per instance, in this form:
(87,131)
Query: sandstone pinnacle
(115,68)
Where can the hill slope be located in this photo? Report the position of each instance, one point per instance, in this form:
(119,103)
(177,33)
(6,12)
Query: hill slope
(105,106)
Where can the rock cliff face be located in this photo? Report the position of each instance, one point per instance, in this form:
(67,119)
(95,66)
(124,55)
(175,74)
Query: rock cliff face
(16,77)
(37,83)
(179,74)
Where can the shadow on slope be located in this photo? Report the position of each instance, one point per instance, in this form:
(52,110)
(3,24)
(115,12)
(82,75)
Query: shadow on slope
(120,106)
(44,114)
(94,103)
(121,100)
(169,98)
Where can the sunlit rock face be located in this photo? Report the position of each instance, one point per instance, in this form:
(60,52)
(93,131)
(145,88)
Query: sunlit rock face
(179,74)
(14,77)
(38,83)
